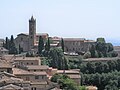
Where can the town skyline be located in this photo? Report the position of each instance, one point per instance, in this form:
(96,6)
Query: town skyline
(83,19)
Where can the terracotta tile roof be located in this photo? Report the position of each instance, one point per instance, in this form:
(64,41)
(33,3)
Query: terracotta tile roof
(18,71)
(4,64)
(39,83)
(74,76)
(73,39)
(26,34)
(7,74)
(32,67)
(68,71)
(10,87)
(11,80)
(37,34)
(41,34)
(8,58)
(3,49)
(26,58)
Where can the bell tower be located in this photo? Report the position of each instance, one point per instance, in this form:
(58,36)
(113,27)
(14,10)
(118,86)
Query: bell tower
(32,32)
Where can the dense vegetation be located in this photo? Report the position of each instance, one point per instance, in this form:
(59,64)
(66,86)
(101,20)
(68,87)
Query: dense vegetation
(10,45)
(100,49)
(104,75)
(66,83)
(53,57)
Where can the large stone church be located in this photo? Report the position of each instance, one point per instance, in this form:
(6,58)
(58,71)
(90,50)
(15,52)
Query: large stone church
(29,41)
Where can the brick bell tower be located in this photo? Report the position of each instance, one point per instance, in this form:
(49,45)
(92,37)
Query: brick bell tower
(32,32)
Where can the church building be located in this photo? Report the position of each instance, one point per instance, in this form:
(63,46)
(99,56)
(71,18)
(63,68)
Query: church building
(29,41)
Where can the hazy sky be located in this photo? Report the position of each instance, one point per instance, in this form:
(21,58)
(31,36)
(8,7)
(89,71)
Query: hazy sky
(65,18)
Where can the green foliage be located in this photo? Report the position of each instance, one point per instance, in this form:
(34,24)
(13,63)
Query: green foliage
(104,75)
(47,45)
(40,45)
(104,81)
(101,40)
(102,49)
(62,44)
(10,45)
(82,88)
(57,59)
(99,67)
(6,45)
(74,61)
(30,54)
(65,82)
(87,55)
(56,77)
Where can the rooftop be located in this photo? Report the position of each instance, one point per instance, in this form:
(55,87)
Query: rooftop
(30,67)
(37,34)
(74,76)
(18,71)
(10,87)
(27,58)
(4,64)
(68,71)
(73,39)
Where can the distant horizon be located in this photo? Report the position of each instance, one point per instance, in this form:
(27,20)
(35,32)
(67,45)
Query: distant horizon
(63,18)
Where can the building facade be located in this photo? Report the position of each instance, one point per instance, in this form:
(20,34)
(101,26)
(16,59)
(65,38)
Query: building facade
(29,41)
(77,44)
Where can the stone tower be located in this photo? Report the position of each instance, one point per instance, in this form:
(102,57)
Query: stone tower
(32,32)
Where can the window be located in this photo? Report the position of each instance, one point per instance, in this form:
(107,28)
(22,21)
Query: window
(42,77)
(36,77)
(27,78)
(33,88)
(31,63)
(34,70)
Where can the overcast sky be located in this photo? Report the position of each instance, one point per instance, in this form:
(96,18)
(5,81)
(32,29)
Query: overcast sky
(65,18)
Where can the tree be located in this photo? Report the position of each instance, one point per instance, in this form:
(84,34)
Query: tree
(6,43)
(92,51)
(40,45)
(57,58)
(55,77)
(110,47)
(90,67)
(47,45)
(12,48)
(65,82)
(101,40)
(62,44)
(87,55)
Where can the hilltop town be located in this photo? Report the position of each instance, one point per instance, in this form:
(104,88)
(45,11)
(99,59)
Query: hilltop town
(37,61)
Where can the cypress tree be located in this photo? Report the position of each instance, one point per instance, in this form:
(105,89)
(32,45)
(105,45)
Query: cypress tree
(6,43)
(62,44)
(12,48)
(47,45)
(40,45)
